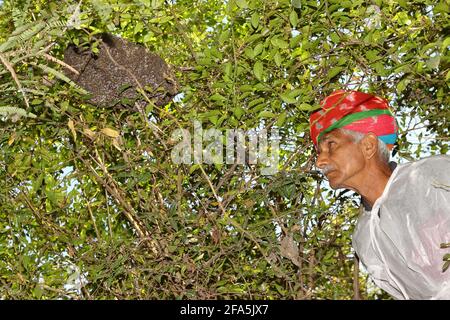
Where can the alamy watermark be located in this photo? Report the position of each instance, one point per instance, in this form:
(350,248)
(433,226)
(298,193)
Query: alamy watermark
(212,146)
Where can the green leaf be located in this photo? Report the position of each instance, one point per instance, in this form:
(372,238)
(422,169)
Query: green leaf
(36,101)
(278,59)
(445,266)
(297,4)
(258,70)
(293,18)
(38,182)
(403,3)
(334,72)
(402,85)
(193,168)
(288,99)
(249,52)
(445,43)
(295,41)
(246,88)
(258,49)
(335,38)
(279,43)
(242,4)
(217,97)
(380,69)
(255,20)
(305,107)
(403,18)
(37,291)
(224,36)
(238,112)
(441,7)
(138,27)
(255,102)
(372,55)
(433,62)
(290,96)
(266,114)
(281,119)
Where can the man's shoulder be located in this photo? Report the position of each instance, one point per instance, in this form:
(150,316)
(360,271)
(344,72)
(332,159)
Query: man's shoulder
(433,164)
(414,178)
(440,158)
(418,177)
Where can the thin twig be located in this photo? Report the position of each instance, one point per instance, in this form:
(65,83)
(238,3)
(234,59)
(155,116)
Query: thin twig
(14,75)
(356,286)
(62,63)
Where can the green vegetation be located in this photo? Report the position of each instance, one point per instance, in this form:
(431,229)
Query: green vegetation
(91,204)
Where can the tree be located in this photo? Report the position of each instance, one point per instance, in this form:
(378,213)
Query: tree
(93,206)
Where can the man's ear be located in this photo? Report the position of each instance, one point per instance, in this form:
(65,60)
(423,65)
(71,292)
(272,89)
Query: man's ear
(369,145)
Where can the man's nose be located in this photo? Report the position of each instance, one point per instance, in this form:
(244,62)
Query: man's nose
(322,160)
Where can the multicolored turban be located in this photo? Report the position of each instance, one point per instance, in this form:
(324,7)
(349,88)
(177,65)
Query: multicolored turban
(356,111)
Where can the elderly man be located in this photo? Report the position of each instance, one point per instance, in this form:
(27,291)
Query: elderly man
(406,214)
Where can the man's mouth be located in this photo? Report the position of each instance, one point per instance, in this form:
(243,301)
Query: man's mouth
(327,170)
(328,175)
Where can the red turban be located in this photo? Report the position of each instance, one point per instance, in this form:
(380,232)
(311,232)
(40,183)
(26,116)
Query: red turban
(356,111)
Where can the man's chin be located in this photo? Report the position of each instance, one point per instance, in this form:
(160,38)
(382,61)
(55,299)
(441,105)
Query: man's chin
(334,184)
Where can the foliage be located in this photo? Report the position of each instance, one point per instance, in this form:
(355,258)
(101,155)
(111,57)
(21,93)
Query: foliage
(92,206)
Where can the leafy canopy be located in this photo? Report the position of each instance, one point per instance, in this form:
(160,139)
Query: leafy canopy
(92,206)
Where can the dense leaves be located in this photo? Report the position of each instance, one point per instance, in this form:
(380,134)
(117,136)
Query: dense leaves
(92,205)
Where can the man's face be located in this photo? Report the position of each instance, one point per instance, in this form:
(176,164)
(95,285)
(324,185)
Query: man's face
(340,159)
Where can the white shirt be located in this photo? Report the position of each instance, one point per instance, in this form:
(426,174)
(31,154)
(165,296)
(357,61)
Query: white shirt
(398,241)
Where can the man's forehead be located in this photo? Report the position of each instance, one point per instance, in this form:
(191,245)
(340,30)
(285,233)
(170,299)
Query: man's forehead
(332,134)
(335,134)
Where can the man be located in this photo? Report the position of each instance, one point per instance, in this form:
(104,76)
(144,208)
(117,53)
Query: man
(406,214)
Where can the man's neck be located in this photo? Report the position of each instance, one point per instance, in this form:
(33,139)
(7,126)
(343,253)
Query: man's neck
(373,182)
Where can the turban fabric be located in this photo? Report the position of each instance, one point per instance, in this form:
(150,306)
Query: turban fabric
(356,111)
